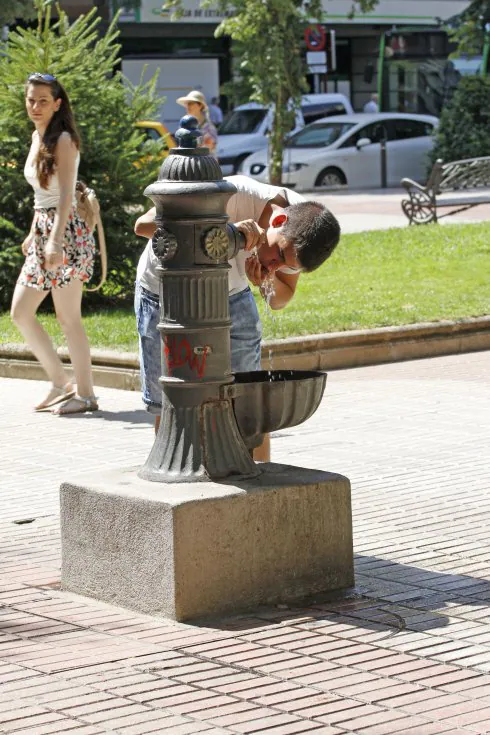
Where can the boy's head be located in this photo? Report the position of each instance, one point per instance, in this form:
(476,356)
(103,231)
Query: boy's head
(299,238)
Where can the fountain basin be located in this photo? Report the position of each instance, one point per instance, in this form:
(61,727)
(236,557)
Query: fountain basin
(269,400)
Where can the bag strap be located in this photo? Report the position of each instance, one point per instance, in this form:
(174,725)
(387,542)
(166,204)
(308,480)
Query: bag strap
(102,250)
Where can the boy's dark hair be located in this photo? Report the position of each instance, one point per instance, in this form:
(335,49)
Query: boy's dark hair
(313,230)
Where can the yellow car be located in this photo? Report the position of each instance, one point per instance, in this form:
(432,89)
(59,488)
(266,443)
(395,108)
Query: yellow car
(157,131)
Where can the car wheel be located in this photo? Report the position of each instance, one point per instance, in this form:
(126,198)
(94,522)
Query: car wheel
(331,178)
(238,163)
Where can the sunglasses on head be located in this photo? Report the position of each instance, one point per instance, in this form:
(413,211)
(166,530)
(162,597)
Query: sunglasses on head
(37,75)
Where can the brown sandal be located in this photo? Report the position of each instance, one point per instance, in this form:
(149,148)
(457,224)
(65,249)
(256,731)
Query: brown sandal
(76,404)
(56,395)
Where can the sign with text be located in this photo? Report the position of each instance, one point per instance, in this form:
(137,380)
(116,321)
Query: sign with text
(152,11)
(386,12)
(317,62)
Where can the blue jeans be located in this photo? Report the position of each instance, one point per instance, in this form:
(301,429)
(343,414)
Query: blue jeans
(246,335)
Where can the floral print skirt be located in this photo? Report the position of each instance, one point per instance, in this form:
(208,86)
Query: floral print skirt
(78,253)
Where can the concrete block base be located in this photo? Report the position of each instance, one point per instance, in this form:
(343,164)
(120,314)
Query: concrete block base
(186,551)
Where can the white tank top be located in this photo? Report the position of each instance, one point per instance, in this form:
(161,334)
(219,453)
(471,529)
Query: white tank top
(50,197)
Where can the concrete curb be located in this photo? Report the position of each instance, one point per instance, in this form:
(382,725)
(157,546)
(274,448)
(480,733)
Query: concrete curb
(316,352)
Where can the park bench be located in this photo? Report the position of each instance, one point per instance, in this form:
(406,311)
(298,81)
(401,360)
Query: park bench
(458,185)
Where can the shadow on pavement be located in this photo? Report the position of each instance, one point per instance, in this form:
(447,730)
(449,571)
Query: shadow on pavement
(424,601)
(136,416)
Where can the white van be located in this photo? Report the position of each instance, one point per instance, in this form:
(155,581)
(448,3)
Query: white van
(246,128)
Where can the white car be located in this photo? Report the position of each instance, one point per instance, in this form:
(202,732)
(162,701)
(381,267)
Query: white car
(246,128)
(345,150)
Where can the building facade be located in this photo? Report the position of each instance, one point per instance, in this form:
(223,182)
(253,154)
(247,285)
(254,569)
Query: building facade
(408,35)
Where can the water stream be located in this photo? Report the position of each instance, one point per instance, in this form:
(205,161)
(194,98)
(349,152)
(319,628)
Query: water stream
(268,292)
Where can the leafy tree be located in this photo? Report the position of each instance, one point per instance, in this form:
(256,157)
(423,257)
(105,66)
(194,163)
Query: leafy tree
(468,28)
(106,110)
(12,10)
(464,123)
(268,37)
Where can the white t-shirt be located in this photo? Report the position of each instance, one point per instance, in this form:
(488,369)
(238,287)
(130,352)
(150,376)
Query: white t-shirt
(248,203)
(371,106)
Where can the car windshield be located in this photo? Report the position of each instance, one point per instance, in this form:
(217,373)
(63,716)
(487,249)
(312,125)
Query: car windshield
(319,135)
(239,122)
(311,113)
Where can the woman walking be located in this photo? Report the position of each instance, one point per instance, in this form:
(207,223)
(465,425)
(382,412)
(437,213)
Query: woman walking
(59,248)
(196,105)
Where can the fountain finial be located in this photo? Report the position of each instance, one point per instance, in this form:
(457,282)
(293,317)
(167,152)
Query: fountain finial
(188,134)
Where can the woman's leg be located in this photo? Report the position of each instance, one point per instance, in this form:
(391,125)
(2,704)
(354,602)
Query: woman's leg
(67,303)
(25,304)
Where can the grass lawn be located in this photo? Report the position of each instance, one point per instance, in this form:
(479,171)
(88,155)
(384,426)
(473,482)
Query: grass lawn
(373,279)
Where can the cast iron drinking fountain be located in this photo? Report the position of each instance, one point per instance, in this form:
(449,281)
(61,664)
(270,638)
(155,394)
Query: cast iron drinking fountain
(201,529)
(210,418)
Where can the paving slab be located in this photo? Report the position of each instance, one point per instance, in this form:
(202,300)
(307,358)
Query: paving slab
(407,652)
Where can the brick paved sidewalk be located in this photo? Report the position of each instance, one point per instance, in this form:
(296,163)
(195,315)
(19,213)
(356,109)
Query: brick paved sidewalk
(409,652)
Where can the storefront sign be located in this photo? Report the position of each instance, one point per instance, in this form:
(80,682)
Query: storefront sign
(387,12)
(151,11)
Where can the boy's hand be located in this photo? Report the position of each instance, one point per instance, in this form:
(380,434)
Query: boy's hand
(254,235)
(256,273)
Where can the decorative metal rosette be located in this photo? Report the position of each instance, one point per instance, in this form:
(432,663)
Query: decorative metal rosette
(164,244)
(216,243)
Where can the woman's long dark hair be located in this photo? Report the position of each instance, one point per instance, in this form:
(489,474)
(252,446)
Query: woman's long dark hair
(62,121)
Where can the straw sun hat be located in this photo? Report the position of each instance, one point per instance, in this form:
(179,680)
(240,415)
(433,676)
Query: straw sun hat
(193,96)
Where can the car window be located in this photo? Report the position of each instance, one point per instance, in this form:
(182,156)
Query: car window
(376,132)
(319,135)
(239,122)
(153,136)
(404,129)
(151,133)
(325,109)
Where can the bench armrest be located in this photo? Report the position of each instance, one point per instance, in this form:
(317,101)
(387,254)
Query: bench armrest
(419,207)
(409,184)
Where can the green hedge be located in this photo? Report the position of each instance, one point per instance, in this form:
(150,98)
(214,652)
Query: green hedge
(465,123)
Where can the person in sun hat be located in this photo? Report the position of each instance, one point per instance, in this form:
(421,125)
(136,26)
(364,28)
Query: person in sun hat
(196,105)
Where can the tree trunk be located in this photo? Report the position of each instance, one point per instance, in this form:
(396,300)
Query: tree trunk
(280,126)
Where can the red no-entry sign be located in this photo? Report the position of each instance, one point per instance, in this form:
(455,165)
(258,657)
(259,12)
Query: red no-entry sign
(315,38)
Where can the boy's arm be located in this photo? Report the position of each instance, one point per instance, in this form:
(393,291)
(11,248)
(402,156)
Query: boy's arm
(284,289)
(145,225)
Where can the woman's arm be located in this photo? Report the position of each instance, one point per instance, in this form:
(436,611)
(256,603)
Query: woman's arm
(66,168)
(145,225)
(28,239)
